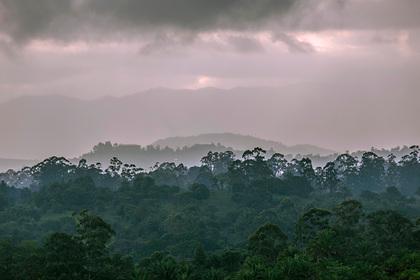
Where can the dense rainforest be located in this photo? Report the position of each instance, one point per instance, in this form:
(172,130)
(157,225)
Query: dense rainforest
(254,217)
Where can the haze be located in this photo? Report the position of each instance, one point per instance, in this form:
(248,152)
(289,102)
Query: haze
(339,74)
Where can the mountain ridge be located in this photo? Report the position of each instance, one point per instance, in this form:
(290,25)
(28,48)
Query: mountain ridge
(42,126)
(240,142)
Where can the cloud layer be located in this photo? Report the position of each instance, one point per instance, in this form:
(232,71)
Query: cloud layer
(24,20)
(363,54)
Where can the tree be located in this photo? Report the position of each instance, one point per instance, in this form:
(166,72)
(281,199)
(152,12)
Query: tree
(372,172)
(404,266)
(218,162)
(4,199)
(410,171)
(254,166)
(330,181)
(296,267)
(268,241)
(390,230)
(346,167)
(119,267)
(301,168)
(311,223)
(392,171)
(200,257)
(64,257)
(159,266)
(130,171)
(114,167)
(278,164)
(53,170)
(94,234)
(254,268)
(326,244)
(200,191)
(27,261)
(169,173)
(348,213)
(6,259)
(251,179)
(295,185)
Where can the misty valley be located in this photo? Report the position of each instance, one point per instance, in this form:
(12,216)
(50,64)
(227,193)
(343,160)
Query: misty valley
(253,216)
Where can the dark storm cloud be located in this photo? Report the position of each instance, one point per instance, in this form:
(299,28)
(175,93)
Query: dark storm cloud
(23,20)
(293,44)
(27,19)
(355,14)
(164,42)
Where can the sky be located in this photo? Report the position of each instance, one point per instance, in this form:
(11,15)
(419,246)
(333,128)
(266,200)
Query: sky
(89,49)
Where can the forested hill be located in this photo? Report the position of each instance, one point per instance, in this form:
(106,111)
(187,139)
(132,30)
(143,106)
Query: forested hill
(190,155)
(62,127)
(190,150)
(252,217)
(146,157)
(242,143)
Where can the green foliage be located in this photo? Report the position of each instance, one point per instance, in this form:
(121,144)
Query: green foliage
(348,220)
(297,267)
(268,241)
(199,191)
(311,223)
(390,230)
(64,257)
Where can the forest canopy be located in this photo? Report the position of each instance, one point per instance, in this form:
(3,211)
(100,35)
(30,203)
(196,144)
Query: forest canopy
(259,216)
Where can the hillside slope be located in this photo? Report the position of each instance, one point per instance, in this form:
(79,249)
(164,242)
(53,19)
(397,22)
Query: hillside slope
(240,142)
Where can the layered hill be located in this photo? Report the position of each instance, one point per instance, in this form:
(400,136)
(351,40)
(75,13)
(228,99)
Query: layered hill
(240,142)
(41,126)
(190,149)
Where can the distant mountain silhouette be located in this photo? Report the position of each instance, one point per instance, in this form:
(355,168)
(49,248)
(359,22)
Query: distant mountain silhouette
(148,156)
(37,127)
(42,126)
(240,142)
(189,150)
(179,150)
